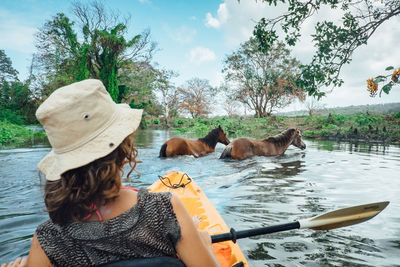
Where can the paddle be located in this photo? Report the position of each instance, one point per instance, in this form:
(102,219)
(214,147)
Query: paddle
(327,221)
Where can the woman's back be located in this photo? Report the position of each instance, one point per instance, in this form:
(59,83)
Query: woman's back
(148,229)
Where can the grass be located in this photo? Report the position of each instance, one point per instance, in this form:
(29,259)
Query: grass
(13,135)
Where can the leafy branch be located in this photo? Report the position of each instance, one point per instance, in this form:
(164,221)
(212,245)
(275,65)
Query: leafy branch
(335,43)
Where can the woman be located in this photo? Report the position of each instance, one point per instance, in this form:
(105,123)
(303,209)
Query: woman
(93,219)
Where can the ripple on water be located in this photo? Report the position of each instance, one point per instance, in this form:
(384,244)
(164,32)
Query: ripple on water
(256,192)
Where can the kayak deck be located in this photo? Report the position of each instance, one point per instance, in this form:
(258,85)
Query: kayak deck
(196,202)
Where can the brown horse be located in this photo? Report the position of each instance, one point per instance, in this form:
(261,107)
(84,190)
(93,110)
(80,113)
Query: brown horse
(198,148)
(243,148)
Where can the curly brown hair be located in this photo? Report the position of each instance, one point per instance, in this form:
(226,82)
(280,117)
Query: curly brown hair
(80,190)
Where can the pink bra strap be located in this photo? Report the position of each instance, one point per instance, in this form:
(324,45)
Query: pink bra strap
(129,187)
(99,215)
(92,206)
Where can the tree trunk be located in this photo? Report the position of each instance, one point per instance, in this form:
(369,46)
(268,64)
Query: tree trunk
(166,111)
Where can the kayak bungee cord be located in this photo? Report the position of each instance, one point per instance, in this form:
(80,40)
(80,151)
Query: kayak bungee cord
(177,185)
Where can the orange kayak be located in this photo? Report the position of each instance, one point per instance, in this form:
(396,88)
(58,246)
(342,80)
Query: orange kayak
(196,202)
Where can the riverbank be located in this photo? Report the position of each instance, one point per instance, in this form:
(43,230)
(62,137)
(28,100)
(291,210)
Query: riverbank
(363,127)
(13,135)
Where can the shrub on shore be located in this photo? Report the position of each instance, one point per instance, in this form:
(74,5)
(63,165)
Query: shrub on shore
(13,135)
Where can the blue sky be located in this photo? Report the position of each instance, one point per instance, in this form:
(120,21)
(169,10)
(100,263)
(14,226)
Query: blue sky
(195,36)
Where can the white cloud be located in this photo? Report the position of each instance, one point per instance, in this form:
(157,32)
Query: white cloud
(200,54)
(16,34)
(211,21)
(237,19)
(182,34)
(222,17)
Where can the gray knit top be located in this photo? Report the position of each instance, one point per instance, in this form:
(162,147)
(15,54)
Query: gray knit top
(148,229)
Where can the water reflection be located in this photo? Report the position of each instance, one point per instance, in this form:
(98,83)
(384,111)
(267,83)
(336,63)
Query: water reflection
(375,148)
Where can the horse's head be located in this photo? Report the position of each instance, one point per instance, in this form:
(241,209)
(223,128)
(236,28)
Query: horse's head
(297,142)
(222,136)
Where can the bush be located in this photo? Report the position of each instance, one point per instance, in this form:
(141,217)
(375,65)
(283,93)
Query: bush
(366,119)
(144,123)
(11,116)
(340,119)
(331,127)
(309,134)
(15,135)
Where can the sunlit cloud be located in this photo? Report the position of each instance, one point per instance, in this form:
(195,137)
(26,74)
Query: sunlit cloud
(200,54)
(211,21)
(236,19)
(222,17)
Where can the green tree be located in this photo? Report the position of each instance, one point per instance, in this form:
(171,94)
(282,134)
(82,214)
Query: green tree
(137,83)
(6,69)
(17,103)
(263,81)
(16,99)
(334,42)
(100,50)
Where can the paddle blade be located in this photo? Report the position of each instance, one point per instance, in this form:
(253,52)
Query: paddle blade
(344,217)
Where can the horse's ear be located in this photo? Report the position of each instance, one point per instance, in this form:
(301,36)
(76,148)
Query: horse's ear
(219,126)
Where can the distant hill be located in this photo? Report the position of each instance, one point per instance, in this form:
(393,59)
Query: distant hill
(375,109)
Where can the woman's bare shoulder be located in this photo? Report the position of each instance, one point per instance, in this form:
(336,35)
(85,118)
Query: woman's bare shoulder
(126,200)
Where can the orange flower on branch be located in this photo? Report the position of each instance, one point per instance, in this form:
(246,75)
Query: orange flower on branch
(372,87)
(395,75)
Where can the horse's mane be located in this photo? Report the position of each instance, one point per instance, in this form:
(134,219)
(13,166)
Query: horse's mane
(282,138)
(211,138)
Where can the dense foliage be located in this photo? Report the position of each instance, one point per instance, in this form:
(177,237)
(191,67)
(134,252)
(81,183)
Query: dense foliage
(99,50)
(17,102)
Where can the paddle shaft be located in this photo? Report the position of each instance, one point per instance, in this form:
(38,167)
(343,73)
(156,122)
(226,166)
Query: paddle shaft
(233,235)
(331,220)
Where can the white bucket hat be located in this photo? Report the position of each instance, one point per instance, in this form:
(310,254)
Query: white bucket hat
(82,124)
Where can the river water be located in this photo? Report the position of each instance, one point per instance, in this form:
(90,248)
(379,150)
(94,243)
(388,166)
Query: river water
(256,192)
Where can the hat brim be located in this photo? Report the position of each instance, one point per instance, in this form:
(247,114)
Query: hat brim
(126,122)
